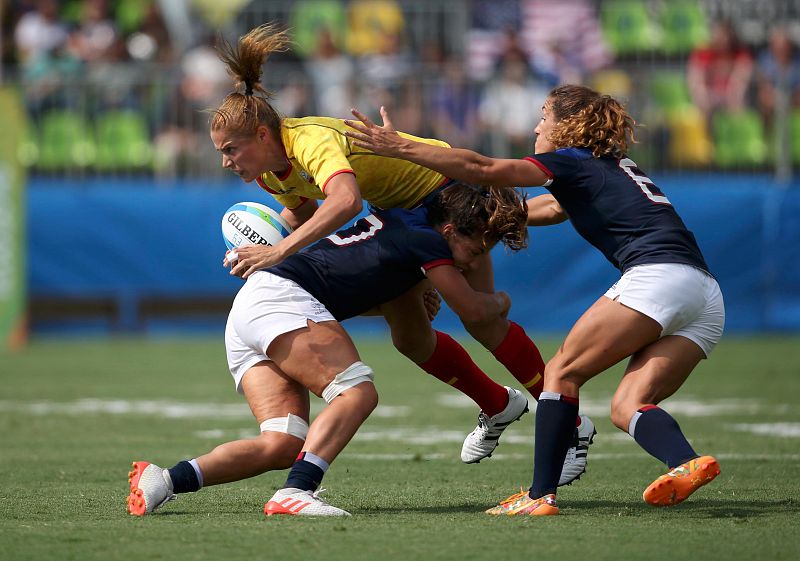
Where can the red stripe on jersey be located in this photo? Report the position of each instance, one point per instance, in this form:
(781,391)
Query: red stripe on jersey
(334,175)
(265,186)
(540,165)
(647,408)
(437,263)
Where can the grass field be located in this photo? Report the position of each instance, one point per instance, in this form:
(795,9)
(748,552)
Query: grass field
(73,414)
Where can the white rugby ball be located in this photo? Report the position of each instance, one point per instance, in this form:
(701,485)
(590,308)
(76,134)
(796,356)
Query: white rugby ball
(252,224)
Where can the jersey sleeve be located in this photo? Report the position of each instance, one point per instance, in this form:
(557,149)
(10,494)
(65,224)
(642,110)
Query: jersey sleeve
(560,168)
(322,151)
(428,248)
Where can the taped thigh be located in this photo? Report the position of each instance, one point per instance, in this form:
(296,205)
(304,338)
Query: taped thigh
(290,424)
(355,374)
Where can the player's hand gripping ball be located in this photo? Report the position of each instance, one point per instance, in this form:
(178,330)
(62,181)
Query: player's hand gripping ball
(252,224)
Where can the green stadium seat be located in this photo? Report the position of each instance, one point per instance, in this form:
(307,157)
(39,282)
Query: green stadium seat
(628,27)
(683,26)
(123,141)
(739,138)
(794,136)
(65,141)
(309,16)
(129,14)
(669,91)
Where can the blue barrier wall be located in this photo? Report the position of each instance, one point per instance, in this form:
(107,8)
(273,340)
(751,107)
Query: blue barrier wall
(132,239)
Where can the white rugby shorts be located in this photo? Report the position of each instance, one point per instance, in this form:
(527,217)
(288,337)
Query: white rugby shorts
(685,300)
(265,307)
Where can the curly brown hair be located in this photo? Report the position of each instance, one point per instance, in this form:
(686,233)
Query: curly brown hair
(248,106)
(588,119)
(492,213)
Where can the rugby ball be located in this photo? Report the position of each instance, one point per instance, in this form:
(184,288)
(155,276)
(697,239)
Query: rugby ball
(253,224)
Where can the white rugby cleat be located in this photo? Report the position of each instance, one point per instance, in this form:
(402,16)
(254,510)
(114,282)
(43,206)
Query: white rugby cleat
(481,442)
(296,502)
(575,462)
(150,487)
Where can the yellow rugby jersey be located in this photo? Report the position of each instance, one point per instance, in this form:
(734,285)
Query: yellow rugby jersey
(318,150)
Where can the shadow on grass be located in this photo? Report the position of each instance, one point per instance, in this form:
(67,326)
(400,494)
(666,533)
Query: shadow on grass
(701,508)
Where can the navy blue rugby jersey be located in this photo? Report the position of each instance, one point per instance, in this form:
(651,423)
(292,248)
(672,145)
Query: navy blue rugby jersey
(618,209)
(377,259)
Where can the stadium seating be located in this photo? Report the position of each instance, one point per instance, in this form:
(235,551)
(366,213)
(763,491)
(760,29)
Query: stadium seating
(628,27)
(689,142)
(739,138)
(65,141)
(683,26)
(123,141)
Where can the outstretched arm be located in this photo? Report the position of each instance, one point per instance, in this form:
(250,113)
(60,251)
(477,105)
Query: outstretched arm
(455,163)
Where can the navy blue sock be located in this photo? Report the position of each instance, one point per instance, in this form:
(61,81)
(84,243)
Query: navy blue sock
(184,478)
(555,427)
(304,474)
(659,434)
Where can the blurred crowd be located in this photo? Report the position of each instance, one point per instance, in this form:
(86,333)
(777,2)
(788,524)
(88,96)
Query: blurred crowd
(125,85)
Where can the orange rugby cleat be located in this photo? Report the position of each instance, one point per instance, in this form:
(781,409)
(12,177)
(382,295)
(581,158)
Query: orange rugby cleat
(675,486)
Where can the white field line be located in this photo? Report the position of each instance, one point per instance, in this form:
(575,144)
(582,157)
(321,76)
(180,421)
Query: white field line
(790,430)
(529,457)
(685,405)
(160,408)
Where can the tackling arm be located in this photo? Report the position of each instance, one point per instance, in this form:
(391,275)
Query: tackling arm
(455,163)
(470,306)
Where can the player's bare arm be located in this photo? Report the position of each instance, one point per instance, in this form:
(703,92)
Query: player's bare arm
(342,204)
(544,210)
(469,305)
(298,216)
(455,163)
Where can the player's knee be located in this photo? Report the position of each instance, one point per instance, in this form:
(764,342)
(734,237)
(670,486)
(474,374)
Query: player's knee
(563,371)
(412,345)
(278,450)
(282,440)
(621,413)
(356,374)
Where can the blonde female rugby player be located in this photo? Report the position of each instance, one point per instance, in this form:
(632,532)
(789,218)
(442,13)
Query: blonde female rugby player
(666,311)
(302,161)
(283,339)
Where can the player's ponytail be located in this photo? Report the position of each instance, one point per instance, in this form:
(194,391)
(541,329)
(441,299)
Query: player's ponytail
(248,105)
(587,119)
(494,214)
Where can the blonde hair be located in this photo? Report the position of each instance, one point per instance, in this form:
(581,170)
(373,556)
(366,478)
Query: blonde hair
(247,107)
(585,118)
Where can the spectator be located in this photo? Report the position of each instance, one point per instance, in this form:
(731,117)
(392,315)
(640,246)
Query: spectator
(453,107)
(332,75)
(181,144)
(40,39)
(778,70)
(40,32)
(511,107)
(150,40)
(718,74)
(564,39)
(492,24)
(384,78)
(96,38)
(371,21)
